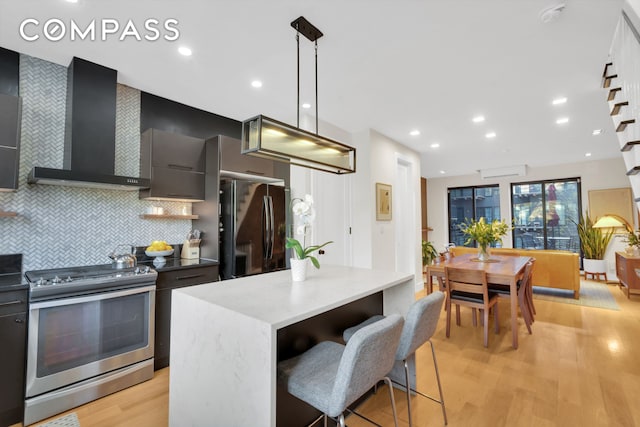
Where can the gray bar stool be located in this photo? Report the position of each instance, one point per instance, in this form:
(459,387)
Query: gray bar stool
(420,325)
(331,376)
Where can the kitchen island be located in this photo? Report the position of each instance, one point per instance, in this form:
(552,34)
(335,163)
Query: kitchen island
(227,337)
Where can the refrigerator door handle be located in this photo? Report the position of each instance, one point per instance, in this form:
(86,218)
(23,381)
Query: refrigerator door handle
(266,233)
(265,227)
(273,229)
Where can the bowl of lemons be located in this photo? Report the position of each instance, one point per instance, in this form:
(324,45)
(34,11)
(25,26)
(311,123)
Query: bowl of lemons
(159,249)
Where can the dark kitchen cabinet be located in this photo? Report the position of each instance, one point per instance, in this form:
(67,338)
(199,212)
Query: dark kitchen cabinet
(174,163)
(168,281)
(232,159)
(13,330)
(10,113)
(208,211)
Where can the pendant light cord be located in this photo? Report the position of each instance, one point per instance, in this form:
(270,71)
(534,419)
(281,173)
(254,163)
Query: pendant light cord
(298,60)
(298,78)
(316,49)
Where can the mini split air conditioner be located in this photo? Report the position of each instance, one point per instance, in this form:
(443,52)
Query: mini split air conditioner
(518,170)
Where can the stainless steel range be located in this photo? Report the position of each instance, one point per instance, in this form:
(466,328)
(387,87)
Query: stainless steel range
(90,334)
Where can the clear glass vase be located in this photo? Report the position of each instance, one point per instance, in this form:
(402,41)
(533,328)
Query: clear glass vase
(483,253)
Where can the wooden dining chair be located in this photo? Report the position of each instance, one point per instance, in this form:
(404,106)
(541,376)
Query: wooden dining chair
(525,294)
(469,288)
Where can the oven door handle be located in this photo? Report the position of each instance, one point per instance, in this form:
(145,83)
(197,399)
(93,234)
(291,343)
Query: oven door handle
(92,297)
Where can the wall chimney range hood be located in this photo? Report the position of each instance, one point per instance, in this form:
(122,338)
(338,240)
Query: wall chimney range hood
(89,146)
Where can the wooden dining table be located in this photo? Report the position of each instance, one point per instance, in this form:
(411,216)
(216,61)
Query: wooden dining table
(501,270)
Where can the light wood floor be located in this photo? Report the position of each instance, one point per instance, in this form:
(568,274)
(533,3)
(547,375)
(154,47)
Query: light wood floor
(581,367)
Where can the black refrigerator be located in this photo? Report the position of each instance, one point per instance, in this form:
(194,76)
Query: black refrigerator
(253,227)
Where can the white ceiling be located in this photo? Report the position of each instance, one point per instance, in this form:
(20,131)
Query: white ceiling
(389,65)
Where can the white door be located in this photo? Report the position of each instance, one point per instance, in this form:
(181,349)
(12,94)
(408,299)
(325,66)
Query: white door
(332,196)
(404,216)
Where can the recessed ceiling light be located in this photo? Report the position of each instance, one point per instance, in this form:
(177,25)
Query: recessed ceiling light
(306,105)
(559,101)
(478,119)
(435,145)
(442,172)
(256,83)
(596,132)
(490,135)
(71,1)
(562,120)
(185,51)
(587,154)
(414,132)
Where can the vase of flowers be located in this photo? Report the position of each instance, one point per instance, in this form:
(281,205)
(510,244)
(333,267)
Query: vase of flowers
(632,240)
(485,234)
(304,215)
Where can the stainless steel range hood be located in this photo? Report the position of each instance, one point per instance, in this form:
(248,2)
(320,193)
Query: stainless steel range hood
(89,146)
(86,179)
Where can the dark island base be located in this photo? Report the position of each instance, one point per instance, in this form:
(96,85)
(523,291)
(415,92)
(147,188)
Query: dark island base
(299,337)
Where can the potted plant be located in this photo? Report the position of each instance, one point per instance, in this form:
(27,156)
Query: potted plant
(429,253)
(633,243)
(593,244)
(303,209)
(484,233)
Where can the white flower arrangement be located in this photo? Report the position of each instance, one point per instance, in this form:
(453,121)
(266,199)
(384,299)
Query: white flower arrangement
(303,209)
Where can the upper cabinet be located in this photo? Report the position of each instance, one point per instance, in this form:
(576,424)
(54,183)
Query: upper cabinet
(232,159)
(10,113)
(174,163)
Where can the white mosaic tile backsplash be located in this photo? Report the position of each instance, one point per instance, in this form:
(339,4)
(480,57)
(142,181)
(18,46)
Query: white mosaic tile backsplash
(66,226)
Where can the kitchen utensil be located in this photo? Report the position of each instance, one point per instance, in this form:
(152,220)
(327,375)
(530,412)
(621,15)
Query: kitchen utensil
(122,258)
(190,249)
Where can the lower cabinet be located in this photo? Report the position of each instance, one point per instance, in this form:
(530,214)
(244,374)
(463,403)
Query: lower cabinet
(166,283)
(626,271)
(13,330)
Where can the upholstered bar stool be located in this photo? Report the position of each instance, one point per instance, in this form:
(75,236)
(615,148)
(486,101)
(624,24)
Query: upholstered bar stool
(419,326)
(331,376)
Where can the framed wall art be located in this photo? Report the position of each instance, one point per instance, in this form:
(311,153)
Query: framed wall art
(383,202)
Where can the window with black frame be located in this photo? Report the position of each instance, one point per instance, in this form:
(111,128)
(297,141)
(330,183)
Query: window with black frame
(545,214)
(467,203)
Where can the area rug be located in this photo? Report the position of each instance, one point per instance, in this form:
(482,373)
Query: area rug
(592,294)
(69,420)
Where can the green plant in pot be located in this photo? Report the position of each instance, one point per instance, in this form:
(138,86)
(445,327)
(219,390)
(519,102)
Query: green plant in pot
(632,240)
(429,253)
(593,244)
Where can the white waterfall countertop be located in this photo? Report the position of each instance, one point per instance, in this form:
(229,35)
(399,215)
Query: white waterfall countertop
(224,336)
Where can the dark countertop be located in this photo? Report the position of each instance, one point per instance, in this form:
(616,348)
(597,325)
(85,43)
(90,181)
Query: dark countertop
(11,278)
(12,282)
(177,263)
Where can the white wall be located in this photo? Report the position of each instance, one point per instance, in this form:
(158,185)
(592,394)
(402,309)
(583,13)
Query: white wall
(373,243)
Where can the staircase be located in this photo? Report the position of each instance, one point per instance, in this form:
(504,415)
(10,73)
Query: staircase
(621,82)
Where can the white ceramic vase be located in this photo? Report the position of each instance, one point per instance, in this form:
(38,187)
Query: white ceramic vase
(298,269)
(594,265)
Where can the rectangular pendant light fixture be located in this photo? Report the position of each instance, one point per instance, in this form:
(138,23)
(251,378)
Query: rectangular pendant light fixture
(269,138)
(266,137)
